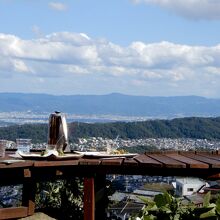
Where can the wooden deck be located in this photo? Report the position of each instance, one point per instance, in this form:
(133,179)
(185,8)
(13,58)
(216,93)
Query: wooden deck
(28,172)
(199,164)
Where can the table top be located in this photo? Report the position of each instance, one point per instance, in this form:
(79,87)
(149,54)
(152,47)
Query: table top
(150,163)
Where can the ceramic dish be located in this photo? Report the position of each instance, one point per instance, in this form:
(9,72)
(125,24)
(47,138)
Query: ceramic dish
(49,156)
(105,155)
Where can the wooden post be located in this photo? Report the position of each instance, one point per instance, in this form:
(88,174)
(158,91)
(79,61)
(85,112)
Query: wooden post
(89,198)
(100,197)
(28,194)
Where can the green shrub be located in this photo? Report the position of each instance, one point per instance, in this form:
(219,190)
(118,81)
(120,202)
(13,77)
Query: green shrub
(61,199)
(165,206)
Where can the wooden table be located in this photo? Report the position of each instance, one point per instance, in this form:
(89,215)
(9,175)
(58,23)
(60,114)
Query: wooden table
(196,164)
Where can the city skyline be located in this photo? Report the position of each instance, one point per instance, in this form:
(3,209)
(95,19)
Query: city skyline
(136,47)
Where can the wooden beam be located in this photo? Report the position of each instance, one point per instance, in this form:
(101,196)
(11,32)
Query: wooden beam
(215,176)
(15,212)
(100,197)
(28,194)
(89,198)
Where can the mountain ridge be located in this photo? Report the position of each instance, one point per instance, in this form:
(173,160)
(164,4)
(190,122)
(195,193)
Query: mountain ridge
(113,104)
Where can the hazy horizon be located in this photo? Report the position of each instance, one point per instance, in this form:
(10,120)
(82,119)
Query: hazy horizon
(107,94)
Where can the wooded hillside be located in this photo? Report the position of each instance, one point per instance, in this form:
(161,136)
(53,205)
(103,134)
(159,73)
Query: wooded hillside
(201,128)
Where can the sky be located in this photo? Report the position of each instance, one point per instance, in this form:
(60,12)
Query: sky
(135,47)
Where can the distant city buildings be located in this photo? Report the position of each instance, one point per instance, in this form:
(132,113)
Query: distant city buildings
(183,144)
(102,144)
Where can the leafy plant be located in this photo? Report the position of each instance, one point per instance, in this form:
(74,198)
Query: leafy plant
(165,206)
(61,199)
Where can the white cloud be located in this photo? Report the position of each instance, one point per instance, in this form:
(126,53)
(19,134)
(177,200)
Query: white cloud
(76,55)
(77,39)
(37,31)
(192,9)
(19,66)
(58,6)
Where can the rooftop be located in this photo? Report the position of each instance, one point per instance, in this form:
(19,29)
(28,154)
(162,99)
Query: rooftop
(189,180)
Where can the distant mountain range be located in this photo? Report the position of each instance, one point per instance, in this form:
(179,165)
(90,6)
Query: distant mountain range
(112,104)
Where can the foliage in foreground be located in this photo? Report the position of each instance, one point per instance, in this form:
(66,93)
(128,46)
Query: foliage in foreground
(61,199)
(166,207)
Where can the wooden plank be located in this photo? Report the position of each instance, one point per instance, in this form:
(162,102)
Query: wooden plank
(190,163)
(7,165)
(162,152)
(212,163)
(28,194)
(215,176)
(187,152)
(130,162)
(144,160)
(55,163)
(89,199)
(167,161)
(111,161)
(14,212)
(88,162)
(210,156)
(205,152)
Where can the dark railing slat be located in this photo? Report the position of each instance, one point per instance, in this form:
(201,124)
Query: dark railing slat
(130,162)
(55,163)
(9,164)
(212,163)
(190,163)
(89,162)
(167,161)
(210,156)
(112,162)
(144,160)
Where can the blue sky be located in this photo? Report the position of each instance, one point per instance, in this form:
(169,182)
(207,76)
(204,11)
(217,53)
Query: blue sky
(138,47)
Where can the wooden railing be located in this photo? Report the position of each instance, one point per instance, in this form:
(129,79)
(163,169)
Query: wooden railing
(197,164)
